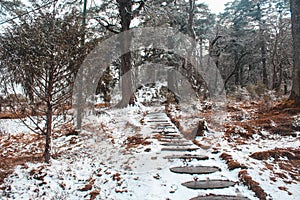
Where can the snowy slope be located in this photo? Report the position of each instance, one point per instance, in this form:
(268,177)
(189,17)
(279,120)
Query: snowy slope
(101,164)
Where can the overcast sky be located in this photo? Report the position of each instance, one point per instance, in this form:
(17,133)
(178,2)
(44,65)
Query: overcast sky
(216,6)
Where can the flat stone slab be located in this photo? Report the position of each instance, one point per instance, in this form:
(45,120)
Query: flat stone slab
(169,132)
(171,137)
(164,125)
(165,128)
(161,126)
(164,132)
(174,140)
(187,156)
(176,144)
(195,169)
(155,118)
(208,184)
(180,149)
(155,130)
(163,121)
(219,197)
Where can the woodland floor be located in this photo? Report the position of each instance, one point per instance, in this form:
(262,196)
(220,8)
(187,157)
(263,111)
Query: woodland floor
(256,145)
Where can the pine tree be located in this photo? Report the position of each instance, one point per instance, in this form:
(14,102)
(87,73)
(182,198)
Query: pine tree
(42,54)
(295,10)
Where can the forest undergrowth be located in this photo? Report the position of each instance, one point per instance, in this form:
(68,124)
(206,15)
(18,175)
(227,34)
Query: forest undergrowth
(251,132)
(267,137)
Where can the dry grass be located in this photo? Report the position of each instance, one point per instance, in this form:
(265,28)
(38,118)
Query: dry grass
(252,185)
(169,108)
(135,141)
(10,115)
(102,105)
(291,154)
(278,120)
(247,119)
(232,164)
(22,148)
(14,151)
(88,186)
(291,165)
(65,130)
(26,110)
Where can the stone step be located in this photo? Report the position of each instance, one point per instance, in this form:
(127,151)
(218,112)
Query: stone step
(174,140)
(164,132)
(170,132)
(180,149)
(174,143)
(178,144)
(154,118)
(195,169)
(219,197)
(160,121)
(164,127)
(162,117)
(208,184)
(171,137)
(155,129)
(187,157)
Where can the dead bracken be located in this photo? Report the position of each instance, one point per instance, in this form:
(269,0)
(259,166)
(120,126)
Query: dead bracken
(277,153)
(135,141)
(252,185)
(232,164)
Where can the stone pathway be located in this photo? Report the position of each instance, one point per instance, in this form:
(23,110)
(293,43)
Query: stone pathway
(173,142)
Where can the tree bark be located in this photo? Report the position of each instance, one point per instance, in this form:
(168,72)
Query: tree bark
(49,115)
(295,11)
(47,153)
(262,46)
(264,62)
(172,83)
(191,32)
(237,69)
(125,10)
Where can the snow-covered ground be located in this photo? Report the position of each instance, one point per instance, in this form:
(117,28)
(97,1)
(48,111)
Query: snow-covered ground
(278,183)
(100,163)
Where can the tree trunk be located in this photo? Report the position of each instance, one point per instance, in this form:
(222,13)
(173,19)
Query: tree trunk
(47,153)
(201,53)
(172,81)
(187,65)
(49,115)
(191,32)
(295,11)
(125,11)
(263,57)
(262,46)
(80,73)
(237,69)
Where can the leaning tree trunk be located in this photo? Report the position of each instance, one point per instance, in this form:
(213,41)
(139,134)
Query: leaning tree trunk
(125,10)
(295,10)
